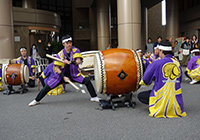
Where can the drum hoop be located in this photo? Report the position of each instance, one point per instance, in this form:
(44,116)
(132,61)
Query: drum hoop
(103,73)
(139,69)
(5,79)
(22,73)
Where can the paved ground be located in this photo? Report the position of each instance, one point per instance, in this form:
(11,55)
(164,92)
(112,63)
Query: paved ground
(71,116)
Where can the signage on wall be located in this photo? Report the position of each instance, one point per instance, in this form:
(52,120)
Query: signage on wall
(17,38)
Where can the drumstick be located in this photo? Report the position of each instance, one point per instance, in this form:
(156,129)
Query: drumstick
(73,85)
(31,78)
(55,58)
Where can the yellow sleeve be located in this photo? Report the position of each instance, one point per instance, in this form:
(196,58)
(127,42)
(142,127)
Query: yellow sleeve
(142,83)
(57,63)
(43,76)
(32,66)
(77,55)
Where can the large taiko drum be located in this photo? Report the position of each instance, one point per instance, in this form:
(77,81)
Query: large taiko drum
(117,71)
(15,74)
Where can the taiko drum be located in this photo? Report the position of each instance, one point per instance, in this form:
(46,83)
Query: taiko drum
(117,71)
(16,74)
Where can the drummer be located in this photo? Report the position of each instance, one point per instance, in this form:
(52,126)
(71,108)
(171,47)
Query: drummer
(165,99)
(155,55)
(193,67)
(1,84)
(145,61)
(27,60)
(46,76)
(67,71)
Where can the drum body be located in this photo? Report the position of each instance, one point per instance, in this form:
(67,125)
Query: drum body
(16,74)
(117,71)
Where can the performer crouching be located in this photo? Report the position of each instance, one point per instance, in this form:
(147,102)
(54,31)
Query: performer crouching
(193,67)
(67,71)
(165,99)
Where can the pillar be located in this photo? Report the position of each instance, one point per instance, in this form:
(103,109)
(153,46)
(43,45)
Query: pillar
(29,4)
(93,28)
(129,24)
(103,24)
(172,27)
(144,27)
(6,29)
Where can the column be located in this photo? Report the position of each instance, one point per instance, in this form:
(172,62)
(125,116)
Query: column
(103,24)
(93,28)
(144,27)
(129,24)
(172,27)
(29,4)
(6,29)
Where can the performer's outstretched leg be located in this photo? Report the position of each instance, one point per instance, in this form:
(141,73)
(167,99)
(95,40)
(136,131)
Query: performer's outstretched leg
(90,89)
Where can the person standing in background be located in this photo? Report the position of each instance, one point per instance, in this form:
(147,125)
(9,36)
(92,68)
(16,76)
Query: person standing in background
(149,46)
(33,51)
(173,44)
(159,39)
(186,51)
(49,51)
(176,49)
(194,42)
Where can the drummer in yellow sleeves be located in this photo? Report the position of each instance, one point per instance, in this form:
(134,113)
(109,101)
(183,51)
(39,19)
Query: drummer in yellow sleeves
(1,84)
(165,99)
(193,67)
(27,60)
(45,77)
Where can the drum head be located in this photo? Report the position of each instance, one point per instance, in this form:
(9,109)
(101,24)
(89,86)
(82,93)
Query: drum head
(4,66)
(99,73)
(26,74)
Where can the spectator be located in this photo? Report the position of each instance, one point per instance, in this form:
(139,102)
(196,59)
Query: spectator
(33,51)
(149,46)
(194,42)
(186,51)
(49,51)
(176,50)
(173,44)
(159,39)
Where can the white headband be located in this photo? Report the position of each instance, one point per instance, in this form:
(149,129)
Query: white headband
(195,50)
(139,51)
(165,48)
(66,40)
(22,49)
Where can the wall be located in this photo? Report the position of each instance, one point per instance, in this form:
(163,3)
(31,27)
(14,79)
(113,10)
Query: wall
(155,28)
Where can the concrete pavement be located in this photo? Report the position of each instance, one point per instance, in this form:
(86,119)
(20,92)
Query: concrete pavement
(71,116)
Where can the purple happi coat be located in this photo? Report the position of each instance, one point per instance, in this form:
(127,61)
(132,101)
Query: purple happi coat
(166,96)
(76,75)
(30,63)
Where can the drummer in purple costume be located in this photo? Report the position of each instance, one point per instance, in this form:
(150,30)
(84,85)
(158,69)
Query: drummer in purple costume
(193,67)
(27,60)
(145,61)
(155,56)
(46,75)
(67,71)
(1,84)
(165,99)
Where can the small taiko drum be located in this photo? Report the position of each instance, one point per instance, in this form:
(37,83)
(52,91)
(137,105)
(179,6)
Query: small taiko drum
(16,74)
(117,71)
